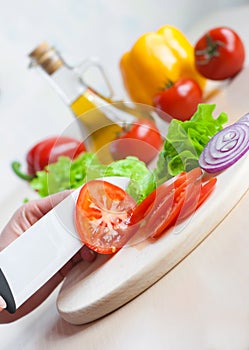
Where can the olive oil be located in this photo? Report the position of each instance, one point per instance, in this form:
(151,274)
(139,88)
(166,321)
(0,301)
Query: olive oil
(100,128)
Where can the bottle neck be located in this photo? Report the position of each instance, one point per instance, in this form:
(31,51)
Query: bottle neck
(67,84)
(46,57)
(64,78)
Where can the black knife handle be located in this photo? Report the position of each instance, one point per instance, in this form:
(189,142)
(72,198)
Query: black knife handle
(6,293)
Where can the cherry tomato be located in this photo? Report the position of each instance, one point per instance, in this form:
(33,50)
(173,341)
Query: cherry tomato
(180,100)
(102,216)
(47,151)
(219,53)
(141,139)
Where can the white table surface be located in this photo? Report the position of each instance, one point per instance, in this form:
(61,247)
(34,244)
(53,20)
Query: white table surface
(201,304)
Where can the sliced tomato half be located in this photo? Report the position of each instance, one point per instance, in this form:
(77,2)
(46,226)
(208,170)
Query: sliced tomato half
(102,216)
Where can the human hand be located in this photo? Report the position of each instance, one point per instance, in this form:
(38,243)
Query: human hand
(26,216)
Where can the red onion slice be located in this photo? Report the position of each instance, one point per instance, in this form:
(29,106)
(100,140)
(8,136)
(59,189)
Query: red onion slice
(244,120)
(226,147)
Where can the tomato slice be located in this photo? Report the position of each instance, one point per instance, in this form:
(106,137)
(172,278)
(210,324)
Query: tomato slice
(191,199)
(163,206)
(198,193)
(206,189)
(165,215)
(102,215)
(173,208)
(141,210)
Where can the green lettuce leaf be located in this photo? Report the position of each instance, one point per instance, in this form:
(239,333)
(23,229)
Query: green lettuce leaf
(185,141)
(142,181)
(68,174)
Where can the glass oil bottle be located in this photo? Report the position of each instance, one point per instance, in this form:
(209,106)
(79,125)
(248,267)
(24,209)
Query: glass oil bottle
(106,118)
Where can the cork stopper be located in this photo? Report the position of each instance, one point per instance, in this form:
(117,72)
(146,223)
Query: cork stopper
(46,56)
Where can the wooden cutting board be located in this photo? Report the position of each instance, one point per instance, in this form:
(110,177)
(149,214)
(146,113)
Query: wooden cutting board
(91,291)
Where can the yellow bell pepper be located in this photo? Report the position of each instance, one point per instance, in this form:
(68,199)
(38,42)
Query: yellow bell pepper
(156,59)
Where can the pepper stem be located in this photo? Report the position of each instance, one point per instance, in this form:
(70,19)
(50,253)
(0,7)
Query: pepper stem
(16,166)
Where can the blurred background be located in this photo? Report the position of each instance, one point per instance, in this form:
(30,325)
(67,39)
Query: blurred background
(102,28)
(30,109)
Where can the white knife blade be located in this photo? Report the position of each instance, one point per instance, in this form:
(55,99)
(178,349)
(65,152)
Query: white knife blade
(34,257)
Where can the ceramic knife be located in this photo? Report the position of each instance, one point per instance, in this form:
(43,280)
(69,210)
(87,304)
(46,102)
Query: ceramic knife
(34,257)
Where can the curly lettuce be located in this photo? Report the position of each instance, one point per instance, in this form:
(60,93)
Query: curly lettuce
(68,174)
(185,141)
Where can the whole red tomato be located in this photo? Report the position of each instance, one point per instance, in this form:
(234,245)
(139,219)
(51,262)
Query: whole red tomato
(140,139)
(180,100)
(47,151)
(219,54)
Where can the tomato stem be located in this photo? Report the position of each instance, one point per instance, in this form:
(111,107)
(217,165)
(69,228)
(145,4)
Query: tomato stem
(168,85)
(211,50)
(16,166)
(126,128)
